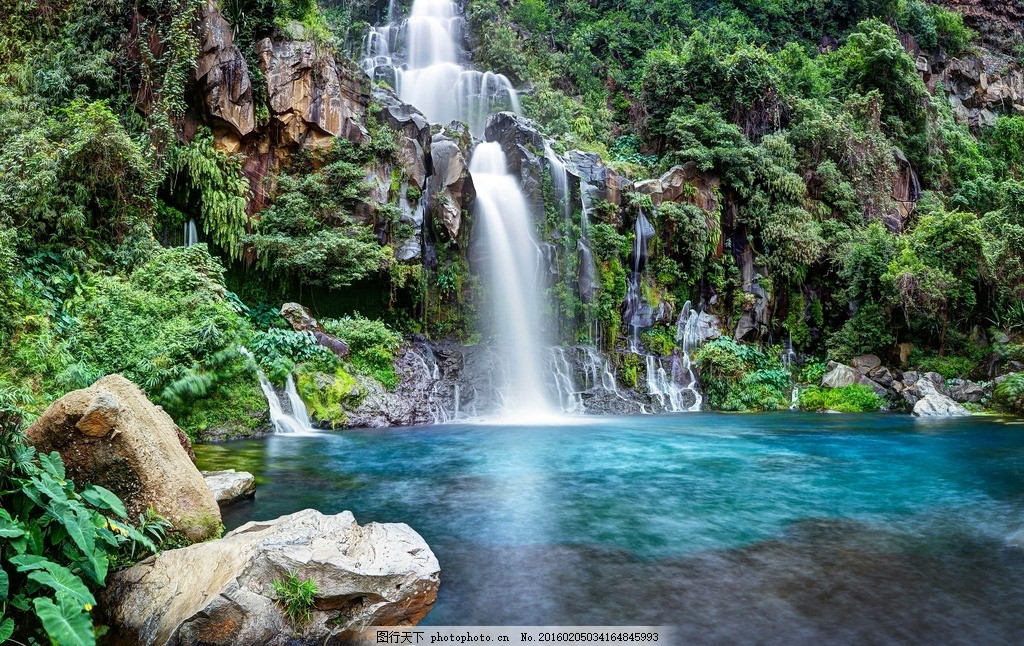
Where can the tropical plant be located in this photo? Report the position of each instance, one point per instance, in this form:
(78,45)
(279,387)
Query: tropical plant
(296,597)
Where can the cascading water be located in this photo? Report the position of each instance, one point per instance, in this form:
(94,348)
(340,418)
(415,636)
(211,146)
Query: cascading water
(559,179)
(191,233)
(295,422)
(433,78)
(512,256)
(638,312)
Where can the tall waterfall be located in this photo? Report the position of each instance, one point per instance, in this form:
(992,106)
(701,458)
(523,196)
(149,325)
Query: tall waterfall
(434,80)
(512,257)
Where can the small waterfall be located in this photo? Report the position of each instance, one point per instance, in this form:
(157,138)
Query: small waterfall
(298,420)
(559,179)
(638,315)
(511,261)
(433,78)
(788,359)
(191,233)
(569,398)
(688,336)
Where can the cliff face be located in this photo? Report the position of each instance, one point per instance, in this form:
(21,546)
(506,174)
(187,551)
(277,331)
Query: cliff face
(983,15)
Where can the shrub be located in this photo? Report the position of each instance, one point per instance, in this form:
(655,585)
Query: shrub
(57,545)
(1010,393)
(948,367)
(373,345)
(849,399)
(739,377)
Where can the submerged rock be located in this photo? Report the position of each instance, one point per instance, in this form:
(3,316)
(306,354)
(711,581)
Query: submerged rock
(222,591)
(111,435)
(230,486)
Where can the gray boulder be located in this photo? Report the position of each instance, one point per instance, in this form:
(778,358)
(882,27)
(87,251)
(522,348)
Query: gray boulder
(865,363)
(230,486)
(838,375)
(933,403)
(222,592)
(965,391)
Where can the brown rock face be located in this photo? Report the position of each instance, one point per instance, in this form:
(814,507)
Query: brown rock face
(223,76)
(312,98)
(110,435)
(221,592)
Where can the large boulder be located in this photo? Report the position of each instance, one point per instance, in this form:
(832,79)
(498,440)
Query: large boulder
(838,375)
(523,145)
(222,591)
(110,435)
(933,398)
(965,391)
(230,486)
(414,134)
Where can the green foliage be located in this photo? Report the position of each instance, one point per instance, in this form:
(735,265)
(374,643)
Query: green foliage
(57,545)
(310,233)
(660,340)
(329,395)
(296,597)
(741,377)
(372,344)
(867,331)
(849,399)
(210,183)
(1010,393)
(949,367)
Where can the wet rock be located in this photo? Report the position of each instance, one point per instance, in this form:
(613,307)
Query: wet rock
(838,375)
(414,131)
(313,97)
(587,274)
(230,486)
(756,315)
(111,435)
(221,592)
(450,189)
(605,183)
(523,146)
(302,321)
(222,75)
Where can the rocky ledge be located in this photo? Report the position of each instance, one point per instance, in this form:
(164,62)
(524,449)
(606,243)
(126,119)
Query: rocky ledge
(230,486)
(222,591)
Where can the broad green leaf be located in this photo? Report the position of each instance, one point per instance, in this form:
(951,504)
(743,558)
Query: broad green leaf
(66,625)
(4,585)
(6,629)
(104,499)
(28,562)
(9,528)
(51,489)
(81,530)
(64,582)
(20,601)
(54,465)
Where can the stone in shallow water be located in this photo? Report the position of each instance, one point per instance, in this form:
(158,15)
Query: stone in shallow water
(230,486)
(222,592)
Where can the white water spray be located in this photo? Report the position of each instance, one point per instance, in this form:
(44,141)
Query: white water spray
(512,258)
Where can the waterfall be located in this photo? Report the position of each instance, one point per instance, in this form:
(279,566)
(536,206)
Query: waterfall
(637,311)
(512,257)
(191,233)
(433,79)
(688,335)
(298,420)
(559,179)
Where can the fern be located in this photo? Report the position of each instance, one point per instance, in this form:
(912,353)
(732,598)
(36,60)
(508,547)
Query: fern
(214,181)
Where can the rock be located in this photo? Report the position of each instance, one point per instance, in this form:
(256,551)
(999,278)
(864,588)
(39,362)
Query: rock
(910,378)
(964,391)
(838,375)
(931,400)
(110,435)
(878,389)
(756,314)
(223,75)
(523,146)
(302,321)
(606,184)
(230,486)
(313,98)
(905,350)
(865,363)
(882,375)
(221,592)
(415,134)
(450,189)
(683,184)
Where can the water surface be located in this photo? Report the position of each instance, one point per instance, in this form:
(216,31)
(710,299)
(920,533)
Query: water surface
(783,528)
